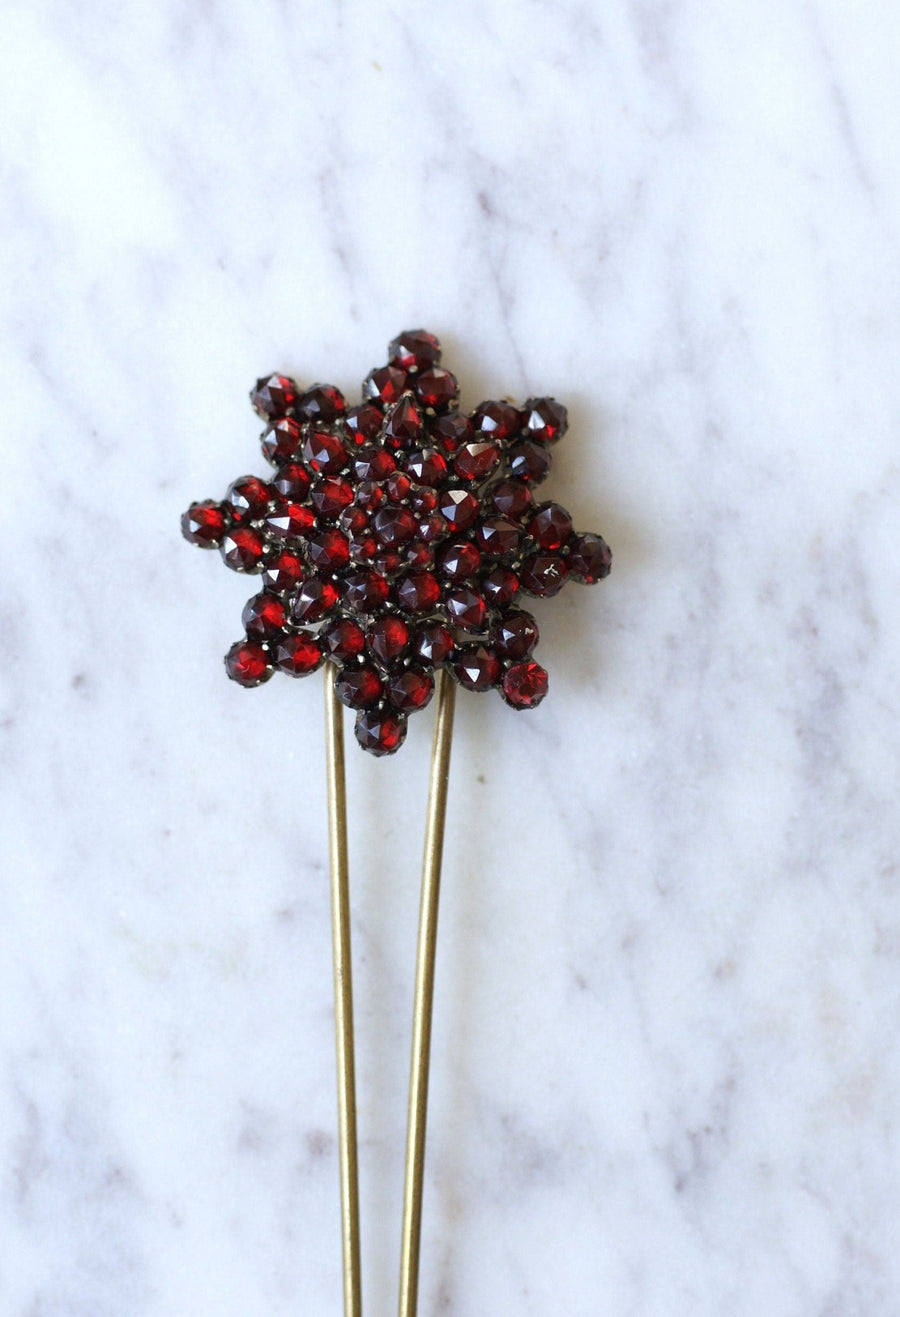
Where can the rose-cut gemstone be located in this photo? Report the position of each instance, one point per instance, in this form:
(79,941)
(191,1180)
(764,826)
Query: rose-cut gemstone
(330,495)
(543,574)
(500,586)
(417,592)
(387,638)
(459,508)
(297,655)
(358,688)
(403,424)
(476,667)
(397,487)
(426,467)
(458,560)
(476,460)
(314,600)
(322,404)
(433,643)
(524,685)
(292,481)
(281,442)
(273,395)
(550,526)
(284,572)
(362,424)
(328,551)
(498,537)
(247,499)
(344,638)
(515,635)
(204,524)
(414,349)
(373,464)
(324,452)
(242,549)
(544,419)
(263,616)
(511,498)
(384,385)
(410,689)
(380,731)
(465,607)
(247,663)
(497,420)
(589,558)
(452,430)
(394,526)
(529,461)
(290,521)
(437,388)
(364,591)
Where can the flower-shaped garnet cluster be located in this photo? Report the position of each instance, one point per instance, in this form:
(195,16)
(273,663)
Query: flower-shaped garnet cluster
(396,537)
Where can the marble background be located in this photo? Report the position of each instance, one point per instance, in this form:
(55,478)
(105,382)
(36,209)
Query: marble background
(666,1079)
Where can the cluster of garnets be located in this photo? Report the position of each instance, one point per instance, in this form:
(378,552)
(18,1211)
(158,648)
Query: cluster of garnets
(396,537)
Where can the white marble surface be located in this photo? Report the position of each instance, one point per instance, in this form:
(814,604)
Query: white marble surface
(667,1080)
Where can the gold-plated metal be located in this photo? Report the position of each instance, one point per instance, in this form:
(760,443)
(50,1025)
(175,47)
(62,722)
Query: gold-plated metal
(343,995)
(445,699)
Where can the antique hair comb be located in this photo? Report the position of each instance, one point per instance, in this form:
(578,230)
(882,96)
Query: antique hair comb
(394,541)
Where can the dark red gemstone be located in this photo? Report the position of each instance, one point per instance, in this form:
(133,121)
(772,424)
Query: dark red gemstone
(524,685)
(247,663)
(281,442)
(364,591)
(363,548)
(451,431)
(529,461)
(418,592)
(263,616)
(273,395)
(363,423)
(204,524)
(511,498)
(437,388)
(315,598)
(292,482)
(543,574)
(545,420)
(499,537)
(242,549)
(381,732)
(353,521)
(384,385)
(329,551)
(476,668)
(410,690)
(551,526)
(515,635)
(284,571)
(497,420)
(388,638)
(373,464)
(590,558)
(459,508)
(297,655)
(476,460)
(417,554)
(330,495)
(458,560)
(465,607)
(500,586)
(344,638)
(358,688)
(403,425)
(388,562)
(426,467)
(423,501)
(324,452)
(290,521)
(370,495)
(434,643)
(322,404)
(398,487)
(248,498)
(432,528)
(414,349)
(394,526)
